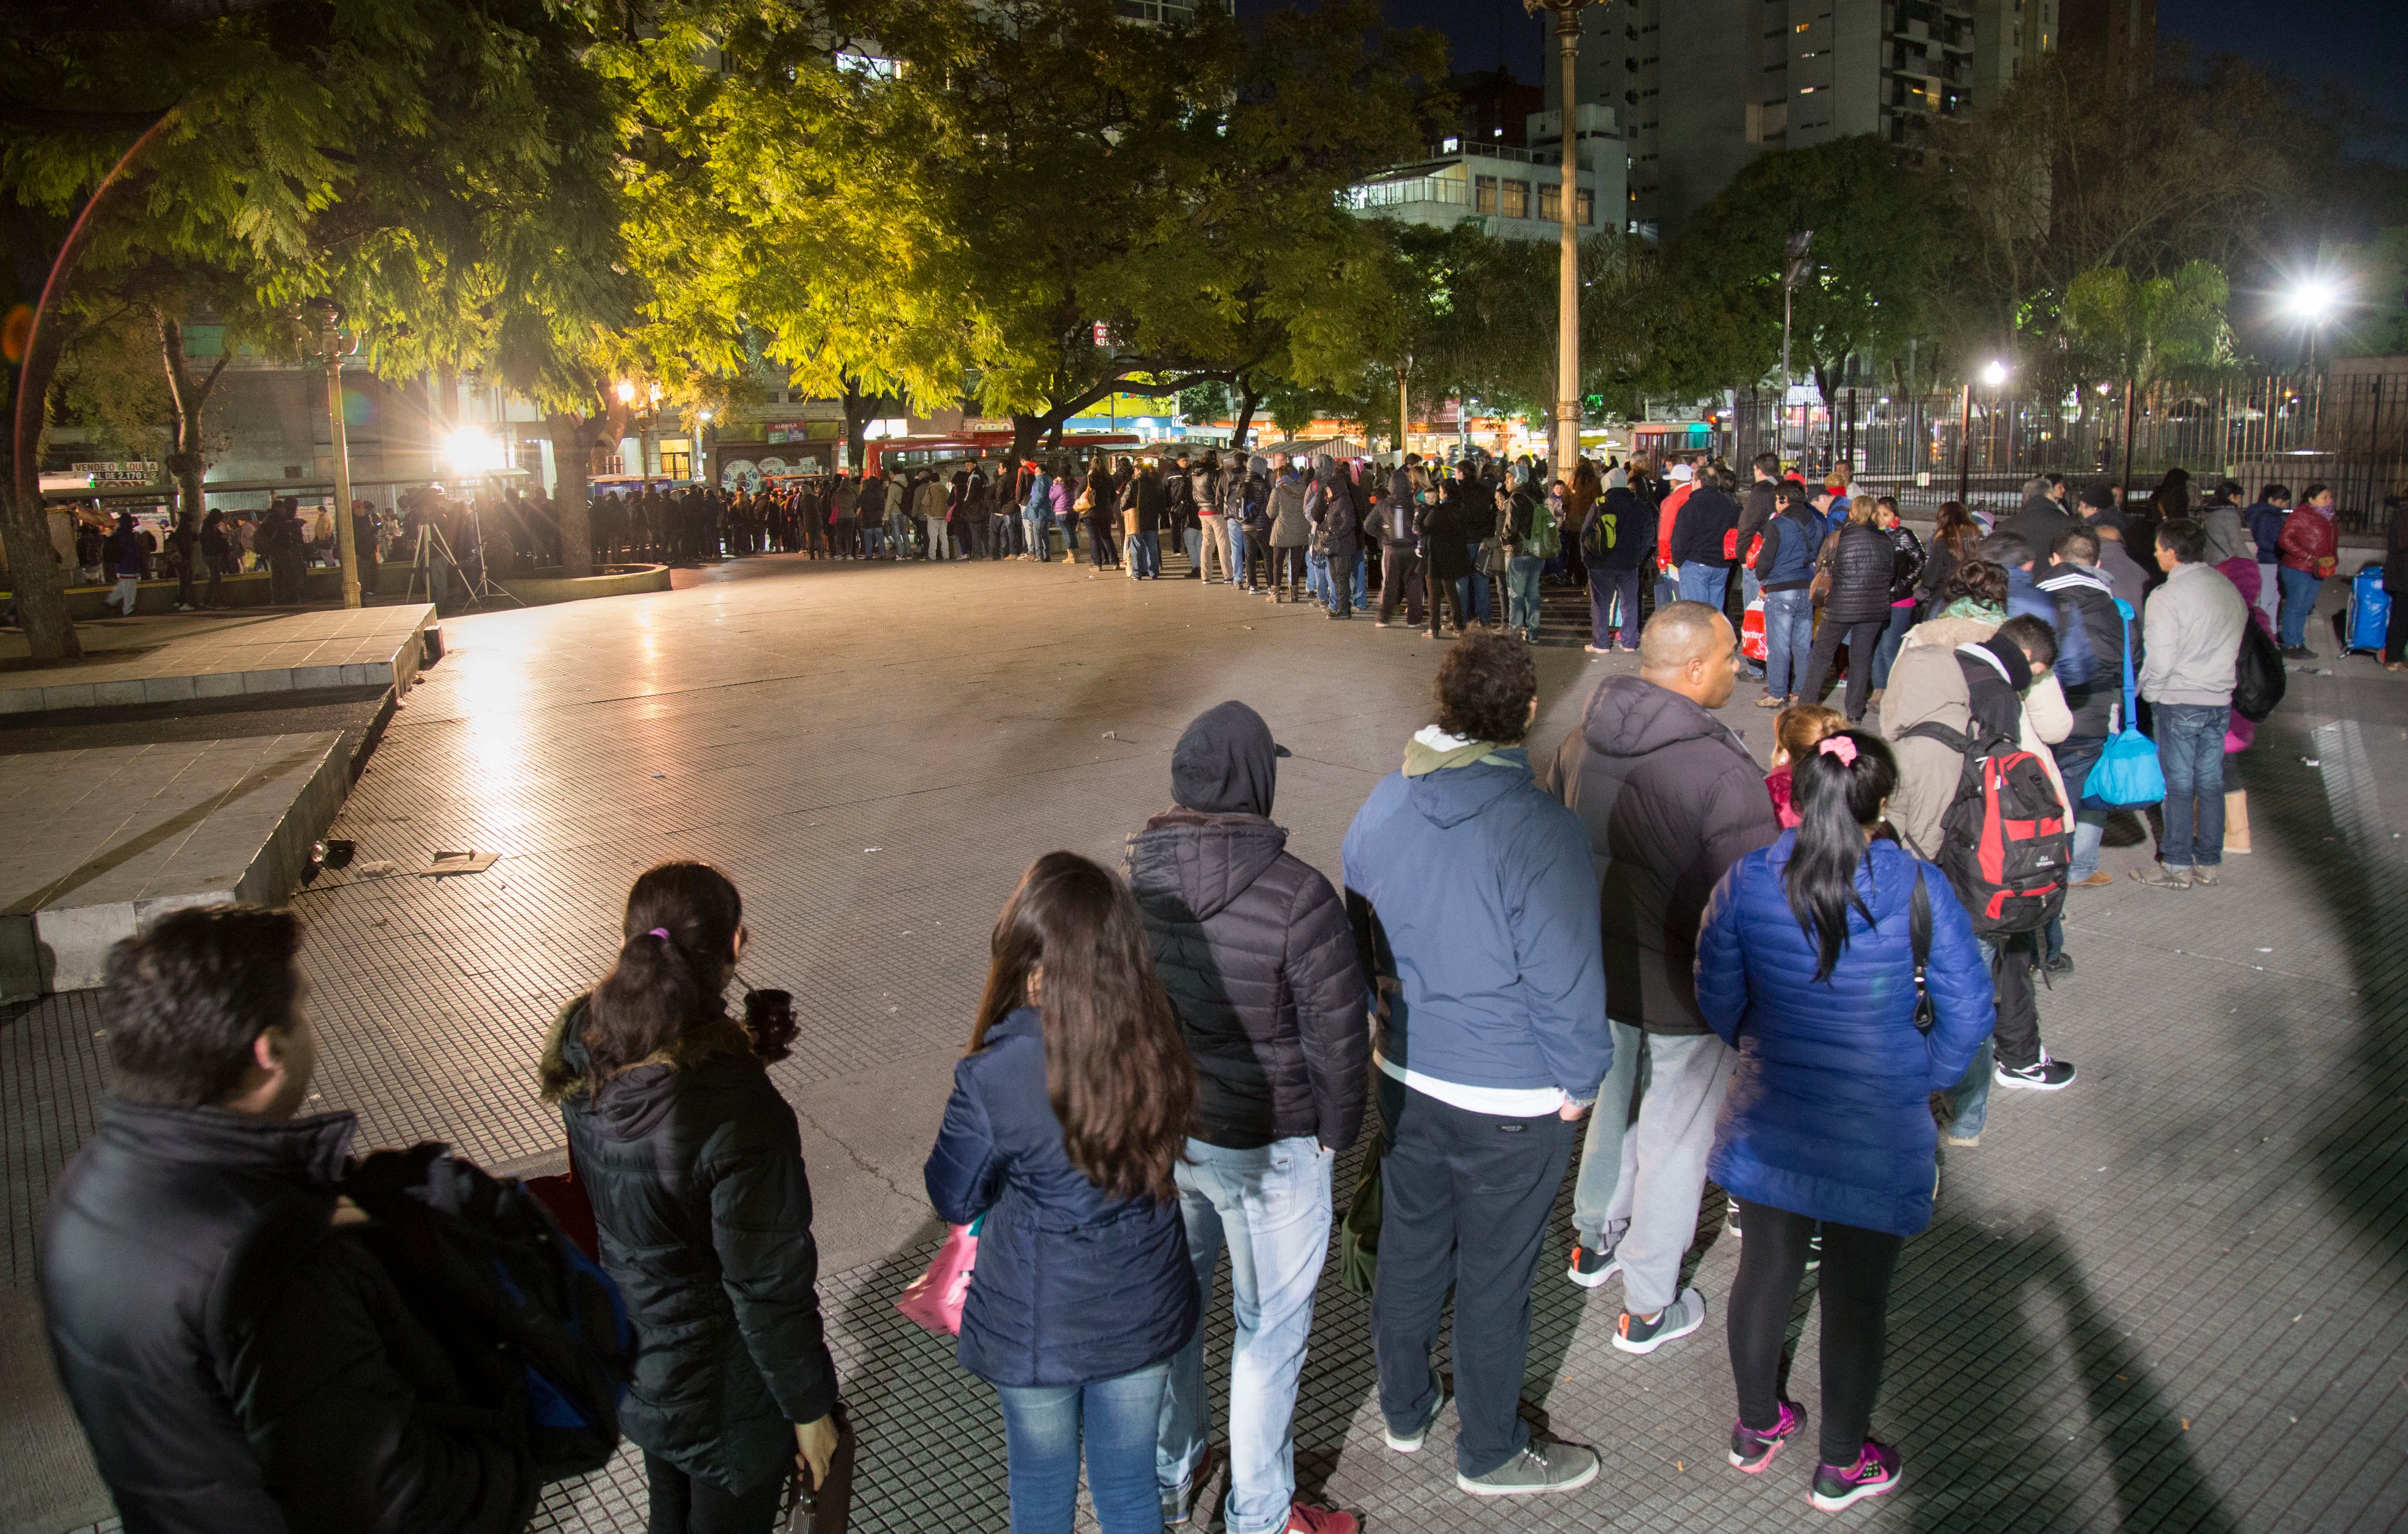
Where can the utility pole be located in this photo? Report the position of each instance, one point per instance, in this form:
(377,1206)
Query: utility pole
(346,541)
(1567,389)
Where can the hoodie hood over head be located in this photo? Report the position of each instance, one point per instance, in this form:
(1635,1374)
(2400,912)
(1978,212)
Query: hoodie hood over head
(1226,764)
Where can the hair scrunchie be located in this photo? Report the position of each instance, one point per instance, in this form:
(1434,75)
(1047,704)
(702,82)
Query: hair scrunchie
(1841,747)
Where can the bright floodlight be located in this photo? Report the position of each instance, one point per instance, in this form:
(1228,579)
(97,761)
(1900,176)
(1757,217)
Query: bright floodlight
(626,392)
(472,450)
(703,416)
(2314,299)
(1995,375)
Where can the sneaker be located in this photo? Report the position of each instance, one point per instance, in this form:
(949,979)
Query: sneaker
(1964,1143)
(2099,880)
(1730,1215)
(1542,1466)
(1874,1473)
(1179,1502)
(2299,653)
(2060,963)
(2041,1075)
(1815,1250)
(2158,877)
(1408,1442)
(1597,650)
(1752,1451)
(1678,1319)
(1591,1268)
(1304,1518)
(2203,876)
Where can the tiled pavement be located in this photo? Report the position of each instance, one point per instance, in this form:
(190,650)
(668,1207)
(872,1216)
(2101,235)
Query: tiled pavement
(2169,1298)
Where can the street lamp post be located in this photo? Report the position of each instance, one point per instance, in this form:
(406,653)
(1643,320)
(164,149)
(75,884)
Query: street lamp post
(346,541)
(1994,376)
(1567,389)
(1794,266)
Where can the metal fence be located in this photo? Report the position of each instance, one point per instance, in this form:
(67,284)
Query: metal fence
(2347,429)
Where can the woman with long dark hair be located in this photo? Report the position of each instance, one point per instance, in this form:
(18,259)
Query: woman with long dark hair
(1066,1117)
(1954,534)
(694,1168)
(1807,965)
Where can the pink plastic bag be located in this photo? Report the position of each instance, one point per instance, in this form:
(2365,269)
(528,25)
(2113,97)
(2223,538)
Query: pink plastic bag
(934,1299)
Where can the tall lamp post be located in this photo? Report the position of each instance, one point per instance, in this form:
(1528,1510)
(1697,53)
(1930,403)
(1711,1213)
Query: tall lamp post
(337,346)
(1567,389)
(1994,376)
(1795,268)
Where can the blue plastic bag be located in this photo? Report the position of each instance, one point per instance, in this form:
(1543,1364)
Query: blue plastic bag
(2128,775)
(2370,611)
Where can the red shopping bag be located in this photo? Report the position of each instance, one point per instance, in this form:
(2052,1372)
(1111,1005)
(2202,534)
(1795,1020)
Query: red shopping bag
(934,1299)
(564,1197)
(1751,631)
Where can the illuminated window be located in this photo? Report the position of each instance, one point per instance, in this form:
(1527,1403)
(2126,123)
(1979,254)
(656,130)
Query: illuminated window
(1801,26)
(1483,193)
(1585,207)
(1517,200)
(1551,203)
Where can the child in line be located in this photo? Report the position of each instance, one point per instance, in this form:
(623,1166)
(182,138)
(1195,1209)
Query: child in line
(1796,730)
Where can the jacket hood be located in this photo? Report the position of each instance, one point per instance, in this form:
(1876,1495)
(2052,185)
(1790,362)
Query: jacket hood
(1227,762)
(1324,465)
(1204,862)
(1951,632)
(1630,716)
(1448,797)
(1258,464)
(632,1103)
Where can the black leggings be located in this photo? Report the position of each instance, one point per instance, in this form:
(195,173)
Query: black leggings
(685,1504)
(1854,1291)
(1862,640)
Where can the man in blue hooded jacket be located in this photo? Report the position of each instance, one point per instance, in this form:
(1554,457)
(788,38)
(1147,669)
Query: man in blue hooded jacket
(1475,909)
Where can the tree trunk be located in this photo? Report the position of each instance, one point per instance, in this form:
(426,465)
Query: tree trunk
(1025,429)
(1248,397)
(857,408)
(572,459)
(186,464)
(37,577)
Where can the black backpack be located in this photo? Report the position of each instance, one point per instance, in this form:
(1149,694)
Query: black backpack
(2258,679)
(1604,530)
(526,1314)
(2006,840)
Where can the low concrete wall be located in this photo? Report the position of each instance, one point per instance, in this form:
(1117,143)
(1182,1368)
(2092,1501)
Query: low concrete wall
(536,590)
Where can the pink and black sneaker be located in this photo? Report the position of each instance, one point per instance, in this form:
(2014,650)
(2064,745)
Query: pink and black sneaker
(1752,1451)
(1875,1473)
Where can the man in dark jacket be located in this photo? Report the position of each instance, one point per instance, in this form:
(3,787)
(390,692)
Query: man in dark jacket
(1784,577)
(237,1358)
(1618,538)
(1146,497)
(1668,798)
(2042,515)
(1399,523)
(1763,503)
(1475,912)
(2265,517)
(1253,947)
(1700,535)
(2094,688)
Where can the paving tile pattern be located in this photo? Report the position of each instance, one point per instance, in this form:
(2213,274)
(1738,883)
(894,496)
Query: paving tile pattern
(200,660)
(2169,1298)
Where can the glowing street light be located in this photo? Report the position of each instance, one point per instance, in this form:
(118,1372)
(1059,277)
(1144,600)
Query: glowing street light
(472,451)
(626,392)
(2314,300)
(1995,375)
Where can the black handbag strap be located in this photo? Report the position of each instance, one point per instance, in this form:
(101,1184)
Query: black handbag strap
(1918,933)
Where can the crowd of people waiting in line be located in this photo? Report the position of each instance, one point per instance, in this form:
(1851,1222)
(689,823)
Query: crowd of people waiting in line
(1644,962)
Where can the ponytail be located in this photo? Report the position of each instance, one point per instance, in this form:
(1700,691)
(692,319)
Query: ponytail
(1837,789)
(680,946)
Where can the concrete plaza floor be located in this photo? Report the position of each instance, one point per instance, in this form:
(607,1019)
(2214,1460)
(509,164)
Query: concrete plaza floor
(2168,1298)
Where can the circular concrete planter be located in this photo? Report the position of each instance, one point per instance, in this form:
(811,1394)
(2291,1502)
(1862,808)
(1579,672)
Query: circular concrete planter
(612,580)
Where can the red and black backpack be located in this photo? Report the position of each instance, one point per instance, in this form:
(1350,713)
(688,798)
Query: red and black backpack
(2006,840)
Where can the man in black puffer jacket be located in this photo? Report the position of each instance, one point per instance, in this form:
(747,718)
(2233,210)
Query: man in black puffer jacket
(1255,948)
(239,1359)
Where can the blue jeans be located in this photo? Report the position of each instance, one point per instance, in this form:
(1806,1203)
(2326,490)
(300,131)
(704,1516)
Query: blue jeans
(2299,591)
(1237,564)
(1040,536)
(1707,583)
(2191,749)
(2075,760)
(1191,538)
(1668,588)
(1043,1428)
(1788,639)
(873,539)
(1271,1208)
(1613,607)
(1316,576)
(1901,618)
(1145,555)
(1971,1096)
(1341,582)
(1522,586)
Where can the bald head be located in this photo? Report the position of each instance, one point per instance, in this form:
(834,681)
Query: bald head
(1688,648)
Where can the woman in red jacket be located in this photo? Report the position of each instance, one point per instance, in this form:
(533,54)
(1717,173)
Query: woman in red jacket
(2310,555)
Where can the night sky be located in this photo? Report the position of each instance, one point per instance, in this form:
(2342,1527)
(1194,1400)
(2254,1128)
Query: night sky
(2360,44)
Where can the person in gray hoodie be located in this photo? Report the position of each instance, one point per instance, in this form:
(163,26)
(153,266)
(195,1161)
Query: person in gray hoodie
(2190,642)
(1291,531)
(1670,798)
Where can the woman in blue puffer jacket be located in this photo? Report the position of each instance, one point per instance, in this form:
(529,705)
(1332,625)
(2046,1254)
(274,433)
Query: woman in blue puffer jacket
(1807,966)
(1083,1290)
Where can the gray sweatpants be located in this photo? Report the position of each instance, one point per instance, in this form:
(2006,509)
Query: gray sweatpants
(1642,1166)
